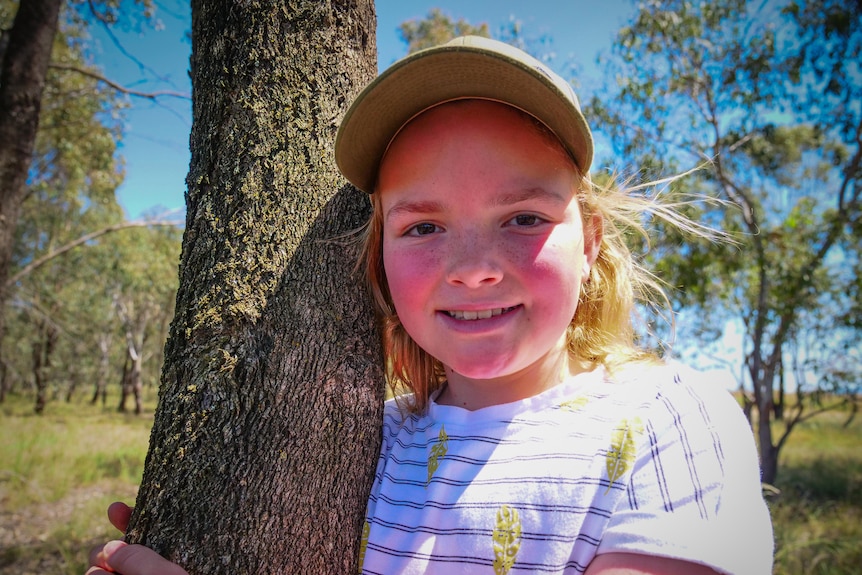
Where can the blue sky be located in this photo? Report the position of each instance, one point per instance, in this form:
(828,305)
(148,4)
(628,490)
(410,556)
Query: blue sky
(155,146)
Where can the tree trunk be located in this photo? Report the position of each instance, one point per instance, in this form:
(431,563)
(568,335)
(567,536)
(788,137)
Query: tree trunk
(42,352)
(101,385)
(125,388)
(135,384)
(74,379)
(22,80)
(768,460)
(4,383)
(268,427)
(779,405)
(768,450)
(39,381)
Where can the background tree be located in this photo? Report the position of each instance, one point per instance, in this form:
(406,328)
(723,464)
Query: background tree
(765,97)
(25,55)
(268,427)
(95,306)
(142,290)
(71,183)
(61,325)
(437,28)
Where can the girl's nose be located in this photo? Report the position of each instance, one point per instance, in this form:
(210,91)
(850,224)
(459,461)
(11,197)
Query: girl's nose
(473,261)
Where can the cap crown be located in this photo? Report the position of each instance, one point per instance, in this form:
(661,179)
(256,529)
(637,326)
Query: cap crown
(467,67)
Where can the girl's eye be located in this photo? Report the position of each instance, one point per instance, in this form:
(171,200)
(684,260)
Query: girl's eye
(526,220)
(422,229)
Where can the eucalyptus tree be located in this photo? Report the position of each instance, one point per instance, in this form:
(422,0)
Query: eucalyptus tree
(765,98)
(437,28)
(27,44)
(72,173)
(268,427)
(50,94)
(70,187)
(142,287)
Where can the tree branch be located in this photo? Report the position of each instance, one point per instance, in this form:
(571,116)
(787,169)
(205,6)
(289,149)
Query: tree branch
(851,175)
(847,211)
(107,20)
(117,87)
(39,262)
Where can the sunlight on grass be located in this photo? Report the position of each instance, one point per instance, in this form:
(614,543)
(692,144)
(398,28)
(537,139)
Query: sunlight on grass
(70,446)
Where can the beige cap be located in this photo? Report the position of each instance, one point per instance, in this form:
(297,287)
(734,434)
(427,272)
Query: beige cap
(464,68)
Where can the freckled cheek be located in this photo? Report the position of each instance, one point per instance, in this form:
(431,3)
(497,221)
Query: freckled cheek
(410,276)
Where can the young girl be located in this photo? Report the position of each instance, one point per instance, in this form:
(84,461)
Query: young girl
(536,437)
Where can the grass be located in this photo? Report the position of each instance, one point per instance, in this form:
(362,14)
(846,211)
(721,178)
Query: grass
(818,515)
(59,471)
(72,445)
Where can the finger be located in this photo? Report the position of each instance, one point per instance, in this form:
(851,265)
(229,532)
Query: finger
(120,557)
(119,514)
(98,559)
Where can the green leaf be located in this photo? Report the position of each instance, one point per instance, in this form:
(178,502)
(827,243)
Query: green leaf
(507,539)
(438,451)
(623,449)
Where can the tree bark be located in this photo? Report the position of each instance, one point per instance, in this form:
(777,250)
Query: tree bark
(22,81)
(268,427)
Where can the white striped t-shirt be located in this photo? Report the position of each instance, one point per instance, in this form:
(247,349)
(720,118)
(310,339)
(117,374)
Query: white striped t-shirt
(661,463)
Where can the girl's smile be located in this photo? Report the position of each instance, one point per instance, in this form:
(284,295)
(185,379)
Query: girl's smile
(481,314)
(479,321)
(484,247)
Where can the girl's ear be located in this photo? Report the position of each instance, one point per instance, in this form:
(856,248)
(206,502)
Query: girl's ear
(594,228)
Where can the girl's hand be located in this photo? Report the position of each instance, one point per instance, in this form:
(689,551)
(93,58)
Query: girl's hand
(120,557)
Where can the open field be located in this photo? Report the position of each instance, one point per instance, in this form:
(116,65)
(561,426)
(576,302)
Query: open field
(59,471)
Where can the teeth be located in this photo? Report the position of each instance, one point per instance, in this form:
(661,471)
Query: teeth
(484,314)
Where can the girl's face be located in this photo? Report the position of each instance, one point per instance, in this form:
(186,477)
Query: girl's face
(484,248)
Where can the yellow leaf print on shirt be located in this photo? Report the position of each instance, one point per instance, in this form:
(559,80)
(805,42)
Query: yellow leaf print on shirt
(437,453)
(623,449)
(366,530)
(507,539)
(575,404)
